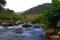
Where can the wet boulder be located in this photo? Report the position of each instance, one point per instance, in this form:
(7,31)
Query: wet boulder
(54,37)
(36,25)
(19,22)
(1,22)
(58,33)
(49,31)
(7,23)
(18,30)
(27,25)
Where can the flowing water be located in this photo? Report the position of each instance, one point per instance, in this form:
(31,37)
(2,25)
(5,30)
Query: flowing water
(20,33)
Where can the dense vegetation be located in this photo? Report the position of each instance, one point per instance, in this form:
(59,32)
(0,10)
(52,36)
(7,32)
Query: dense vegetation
(52,13)
(7,14)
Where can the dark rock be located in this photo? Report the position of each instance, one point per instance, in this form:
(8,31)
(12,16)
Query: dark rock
(27,25)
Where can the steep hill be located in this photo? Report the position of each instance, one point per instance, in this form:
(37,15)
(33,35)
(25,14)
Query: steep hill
(36,9)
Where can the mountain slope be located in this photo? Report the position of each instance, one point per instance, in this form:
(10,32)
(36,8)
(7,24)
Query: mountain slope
(36,9)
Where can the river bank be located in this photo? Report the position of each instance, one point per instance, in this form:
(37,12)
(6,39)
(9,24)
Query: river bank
(9,22)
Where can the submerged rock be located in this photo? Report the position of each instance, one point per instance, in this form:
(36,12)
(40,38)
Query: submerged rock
(18,30)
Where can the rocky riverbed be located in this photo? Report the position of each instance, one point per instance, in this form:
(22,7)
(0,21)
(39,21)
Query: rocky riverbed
(21,33)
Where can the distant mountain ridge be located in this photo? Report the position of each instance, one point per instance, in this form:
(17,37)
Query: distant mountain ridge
(36,9)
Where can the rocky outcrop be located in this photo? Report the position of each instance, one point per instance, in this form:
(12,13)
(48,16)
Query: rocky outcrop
(49,32)
(55,37)
(1,22)
(58,33)
(8,23)
(27,25)
(37,25)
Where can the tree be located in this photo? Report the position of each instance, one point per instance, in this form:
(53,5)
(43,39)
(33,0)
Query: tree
(56,1)
(52,13)
(11,11)
(2,2)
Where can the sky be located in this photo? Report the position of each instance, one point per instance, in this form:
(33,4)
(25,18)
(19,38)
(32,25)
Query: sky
(22,5)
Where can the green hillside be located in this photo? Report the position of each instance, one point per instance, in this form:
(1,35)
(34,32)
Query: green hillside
(36,9)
